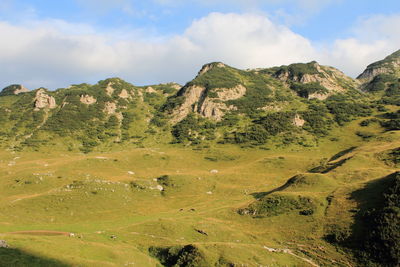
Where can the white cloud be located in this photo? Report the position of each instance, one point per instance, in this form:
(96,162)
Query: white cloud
(372,39)
(55,53)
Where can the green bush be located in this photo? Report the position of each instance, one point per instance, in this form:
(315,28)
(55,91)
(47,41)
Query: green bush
(278,122)
(193,129)
(306,89)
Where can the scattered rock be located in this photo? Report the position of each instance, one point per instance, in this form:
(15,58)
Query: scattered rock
(298,121)
(87,99)
(3,244)
(159,187)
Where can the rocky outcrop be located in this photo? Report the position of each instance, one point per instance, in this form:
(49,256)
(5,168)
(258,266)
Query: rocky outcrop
(43,100)
(109,89)
(236,92)
(175,86)
(298,121)
(150,90)
(197,99)
(191,95)
(124,94)
(110,108)
(14,89)
(87,99)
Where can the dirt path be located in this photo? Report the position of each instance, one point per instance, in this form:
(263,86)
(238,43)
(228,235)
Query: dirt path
(38,232)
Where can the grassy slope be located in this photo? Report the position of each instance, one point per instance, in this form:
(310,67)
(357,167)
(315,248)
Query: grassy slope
(101,202)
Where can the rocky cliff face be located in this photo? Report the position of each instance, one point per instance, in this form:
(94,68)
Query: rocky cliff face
(390,65)
(197,99)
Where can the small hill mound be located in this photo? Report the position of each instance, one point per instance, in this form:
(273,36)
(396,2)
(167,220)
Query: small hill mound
(280,203)
(310,182)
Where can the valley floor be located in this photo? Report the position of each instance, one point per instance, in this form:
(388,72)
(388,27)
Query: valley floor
(124,208)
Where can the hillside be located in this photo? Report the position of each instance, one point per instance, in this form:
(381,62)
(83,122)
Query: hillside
(288,166)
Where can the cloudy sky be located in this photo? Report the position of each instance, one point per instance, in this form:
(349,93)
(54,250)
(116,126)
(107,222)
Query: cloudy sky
(57,43)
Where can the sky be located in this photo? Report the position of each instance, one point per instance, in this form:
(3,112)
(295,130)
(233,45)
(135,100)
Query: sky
(53,44)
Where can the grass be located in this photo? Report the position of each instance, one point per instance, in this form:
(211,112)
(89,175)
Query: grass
(115,223)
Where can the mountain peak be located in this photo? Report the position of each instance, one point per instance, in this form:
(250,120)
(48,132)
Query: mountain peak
(209,66)
(14,89)
(388,65)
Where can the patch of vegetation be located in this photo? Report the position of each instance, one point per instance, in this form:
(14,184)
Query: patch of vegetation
(365,134)
(217,77)
(391,157)
(306,89)
(317,120)
(345,110)
(165,181)
(179,256)
(298,69)
(193,129)
(254,134)
(276,123)
(277,204)
(381,83)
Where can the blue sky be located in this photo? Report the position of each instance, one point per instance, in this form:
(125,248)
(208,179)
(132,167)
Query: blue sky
(58,43)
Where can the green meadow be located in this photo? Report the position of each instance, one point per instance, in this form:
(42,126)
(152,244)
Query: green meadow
(166,205)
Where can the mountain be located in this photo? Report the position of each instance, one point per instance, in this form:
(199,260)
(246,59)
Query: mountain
(221,104)
(219,88)
(287,166)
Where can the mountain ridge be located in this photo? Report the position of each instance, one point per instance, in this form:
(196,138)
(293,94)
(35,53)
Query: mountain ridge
(116,111)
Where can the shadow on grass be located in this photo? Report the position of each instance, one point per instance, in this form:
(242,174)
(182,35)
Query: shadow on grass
(259,195)
(374,235)
(369,199)
(328,167)
(342,153)
(12,257)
